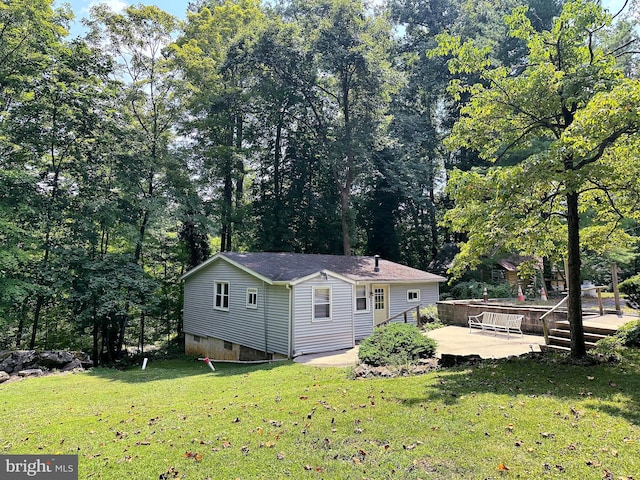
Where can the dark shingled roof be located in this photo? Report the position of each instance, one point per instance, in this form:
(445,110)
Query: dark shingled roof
(286,267)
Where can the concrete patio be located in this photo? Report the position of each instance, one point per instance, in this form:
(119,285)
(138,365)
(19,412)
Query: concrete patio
(451,339)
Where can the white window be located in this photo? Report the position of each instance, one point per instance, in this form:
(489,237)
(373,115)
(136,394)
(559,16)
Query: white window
(413,295)
(362,301)
(221,295)
(322,303)
(252,298)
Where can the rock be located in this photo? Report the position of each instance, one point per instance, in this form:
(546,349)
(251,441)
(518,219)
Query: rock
(18,360)
(4,376)
(24,360)
(30,372)
(450,360)
(74,364)
(57,359)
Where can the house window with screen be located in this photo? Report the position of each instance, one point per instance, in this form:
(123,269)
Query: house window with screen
(361,298)
(221,297)
(252,298)
(413,295)
(322,303)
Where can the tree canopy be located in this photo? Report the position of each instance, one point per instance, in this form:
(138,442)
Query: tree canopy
(554,124)
(131,153)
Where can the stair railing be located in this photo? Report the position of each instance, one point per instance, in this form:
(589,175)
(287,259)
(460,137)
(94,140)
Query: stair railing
(543,318)
(404,314)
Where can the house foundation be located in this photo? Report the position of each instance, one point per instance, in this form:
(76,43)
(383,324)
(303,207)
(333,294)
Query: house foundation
(217,349)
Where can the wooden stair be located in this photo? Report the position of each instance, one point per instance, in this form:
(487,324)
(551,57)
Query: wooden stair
(560,337)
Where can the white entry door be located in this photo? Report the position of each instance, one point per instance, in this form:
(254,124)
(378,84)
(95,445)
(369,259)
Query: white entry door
(380,303)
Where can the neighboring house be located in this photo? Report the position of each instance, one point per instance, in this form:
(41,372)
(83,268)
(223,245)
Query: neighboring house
(243,306)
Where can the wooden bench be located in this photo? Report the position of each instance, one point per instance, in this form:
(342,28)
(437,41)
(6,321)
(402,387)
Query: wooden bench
(504,322)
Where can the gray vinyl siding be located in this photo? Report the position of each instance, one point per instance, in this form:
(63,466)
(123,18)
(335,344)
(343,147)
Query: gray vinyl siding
(429,293)
(363,324)
(325,335)
(278,313)
(264,328)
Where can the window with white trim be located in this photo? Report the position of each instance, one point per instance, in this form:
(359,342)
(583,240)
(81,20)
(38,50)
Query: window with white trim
(221,296)
(413,295)
(252,298)
(322,303)
(362,300)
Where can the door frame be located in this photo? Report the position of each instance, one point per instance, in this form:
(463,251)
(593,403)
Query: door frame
(384,289)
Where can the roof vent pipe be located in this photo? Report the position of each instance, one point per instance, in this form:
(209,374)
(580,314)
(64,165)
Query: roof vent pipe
(377,267)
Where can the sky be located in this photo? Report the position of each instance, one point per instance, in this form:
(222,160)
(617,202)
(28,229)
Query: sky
(179,7)
(81,8)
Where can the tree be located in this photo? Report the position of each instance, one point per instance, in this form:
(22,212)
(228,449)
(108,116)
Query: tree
(137,41)
(350,49)
(211,53)
(569,100)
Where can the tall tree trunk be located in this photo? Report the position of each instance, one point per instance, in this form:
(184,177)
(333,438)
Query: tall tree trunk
(578,348)
(36,321)
(346,223)
(95,353)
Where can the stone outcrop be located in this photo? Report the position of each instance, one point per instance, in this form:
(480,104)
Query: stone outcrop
(17,362)
(424,366)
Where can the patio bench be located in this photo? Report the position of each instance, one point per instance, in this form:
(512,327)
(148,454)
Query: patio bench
(505,322)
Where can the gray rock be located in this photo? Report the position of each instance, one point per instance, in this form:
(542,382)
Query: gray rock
(30,372)
(4,376)
(74,364)
(18,360)
(57,359)
(451,360)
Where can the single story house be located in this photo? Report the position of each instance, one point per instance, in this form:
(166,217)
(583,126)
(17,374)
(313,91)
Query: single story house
(247,306)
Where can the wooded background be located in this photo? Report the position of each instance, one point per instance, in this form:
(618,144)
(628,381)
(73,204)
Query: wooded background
(133,153)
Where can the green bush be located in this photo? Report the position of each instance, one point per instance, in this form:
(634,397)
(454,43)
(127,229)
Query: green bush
(631,288)
(629,334)
(396,344)
(429,314)
(475,289)
(609,348)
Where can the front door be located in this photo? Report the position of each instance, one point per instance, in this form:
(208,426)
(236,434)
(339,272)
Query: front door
(380,304)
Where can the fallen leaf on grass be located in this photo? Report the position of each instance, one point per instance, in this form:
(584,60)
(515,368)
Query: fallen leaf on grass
(171,473)
(280,456)
(502,467)
(194,455)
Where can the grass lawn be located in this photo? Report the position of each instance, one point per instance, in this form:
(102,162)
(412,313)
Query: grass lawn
(516,418)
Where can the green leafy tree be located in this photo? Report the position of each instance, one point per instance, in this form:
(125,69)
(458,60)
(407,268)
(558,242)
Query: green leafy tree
(211,53)
(350,49)
(137,41)
(569,97)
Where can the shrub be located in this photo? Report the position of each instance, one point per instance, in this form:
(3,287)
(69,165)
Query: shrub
(629,334)
(475,289)
(429,314)
(396,344)
(609,348)
(631,288)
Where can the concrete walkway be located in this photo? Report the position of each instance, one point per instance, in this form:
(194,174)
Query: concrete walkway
(451,339)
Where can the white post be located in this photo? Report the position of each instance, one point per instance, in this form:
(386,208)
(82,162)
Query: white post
(144,363)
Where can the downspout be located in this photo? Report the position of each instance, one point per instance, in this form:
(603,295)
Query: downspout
(290,323)
(265,318)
